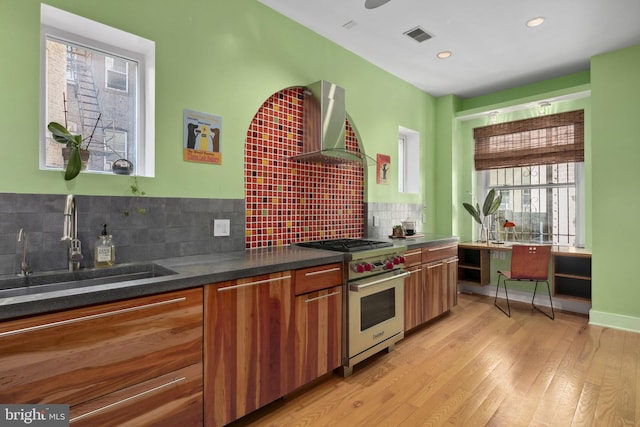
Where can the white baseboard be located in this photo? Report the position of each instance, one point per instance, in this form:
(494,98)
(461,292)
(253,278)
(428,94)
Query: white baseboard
(541,297)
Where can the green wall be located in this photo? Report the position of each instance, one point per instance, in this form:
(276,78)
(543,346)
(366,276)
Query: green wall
(616,195)
(446,169)
(220,57)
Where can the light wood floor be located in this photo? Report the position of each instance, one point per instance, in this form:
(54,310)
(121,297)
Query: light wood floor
(477,367)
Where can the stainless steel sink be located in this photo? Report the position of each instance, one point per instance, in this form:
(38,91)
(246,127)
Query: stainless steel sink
(58,281)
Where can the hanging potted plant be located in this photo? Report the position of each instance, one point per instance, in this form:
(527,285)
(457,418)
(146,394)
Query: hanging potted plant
(489,207)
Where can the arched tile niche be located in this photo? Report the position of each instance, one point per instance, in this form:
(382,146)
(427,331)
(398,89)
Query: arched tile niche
(288,201)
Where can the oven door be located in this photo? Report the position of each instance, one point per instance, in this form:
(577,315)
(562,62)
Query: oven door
(376,310)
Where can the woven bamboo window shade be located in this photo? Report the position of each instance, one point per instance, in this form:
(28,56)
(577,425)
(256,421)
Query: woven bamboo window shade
(556,138)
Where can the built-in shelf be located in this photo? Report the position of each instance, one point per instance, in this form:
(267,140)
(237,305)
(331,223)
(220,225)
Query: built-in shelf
(572,277)
(473,266)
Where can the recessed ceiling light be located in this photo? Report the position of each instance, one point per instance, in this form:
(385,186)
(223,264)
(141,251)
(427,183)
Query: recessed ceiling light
(444,54)
(534,22)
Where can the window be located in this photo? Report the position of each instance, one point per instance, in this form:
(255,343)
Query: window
(536,164)
(408,161)
(116,73)
(115,146)
(99,81)
(541,200)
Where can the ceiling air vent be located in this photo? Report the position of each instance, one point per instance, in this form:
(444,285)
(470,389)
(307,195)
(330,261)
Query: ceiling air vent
(418,34)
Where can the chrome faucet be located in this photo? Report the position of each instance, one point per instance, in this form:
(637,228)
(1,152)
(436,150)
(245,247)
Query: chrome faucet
(25,268)
(70,233)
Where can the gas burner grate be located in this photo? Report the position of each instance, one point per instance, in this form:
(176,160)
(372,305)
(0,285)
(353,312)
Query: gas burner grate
(346,245)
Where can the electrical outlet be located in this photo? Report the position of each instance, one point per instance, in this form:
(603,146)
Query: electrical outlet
(375,221)
(221,227)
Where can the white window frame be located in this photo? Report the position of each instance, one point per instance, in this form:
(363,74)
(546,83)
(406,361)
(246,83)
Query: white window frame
(408,161)
(402,158)
(57,22)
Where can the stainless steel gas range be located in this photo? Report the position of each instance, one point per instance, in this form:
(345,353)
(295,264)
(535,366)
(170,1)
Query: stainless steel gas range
(374,300)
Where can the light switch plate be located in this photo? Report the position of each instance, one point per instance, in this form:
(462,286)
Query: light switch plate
(221,227)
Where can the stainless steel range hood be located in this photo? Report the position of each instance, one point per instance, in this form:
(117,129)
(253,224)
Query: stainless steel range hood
(323,116)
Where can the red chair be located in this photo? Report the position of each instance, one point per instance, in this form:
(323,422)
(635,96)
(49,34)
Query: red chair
(528,263)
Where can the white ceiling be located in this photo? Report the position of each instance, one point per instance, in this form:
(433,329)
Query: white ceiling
(492,47)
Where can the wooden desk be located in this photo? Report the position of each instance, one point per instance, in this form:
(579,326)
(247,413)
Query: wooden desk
(570,268)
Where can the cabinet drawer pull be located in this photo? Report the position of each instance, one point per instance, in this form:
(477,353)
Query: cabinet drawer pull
(434,266)
(90,317)
(257,282)
(413,271)
(452,260)
(443,247)
(135,396)
(329,270)
(322,296)
(413,253)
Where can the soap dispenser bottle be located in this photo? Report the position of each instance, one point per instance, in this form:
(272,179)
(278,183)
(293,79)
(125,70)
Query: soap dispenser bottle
(105,253)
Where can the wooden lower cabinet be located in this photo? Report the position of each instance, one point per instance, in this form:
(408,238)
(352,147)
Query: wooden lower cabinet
(249,339)
(318,320)
(431,288)
(436,298)
(451,278)
(318,334)
(413,298)
(441,287)
(94,358)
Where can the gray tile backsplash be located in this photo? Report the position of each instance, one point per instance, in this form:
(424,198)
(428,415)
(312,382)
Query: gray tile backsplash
(390,214)
(171,227)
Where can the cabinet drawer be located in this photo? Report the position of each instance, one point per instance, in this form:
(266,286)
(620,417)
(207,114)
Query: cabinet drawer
(319,277)
(173,399)
(434,253)
(77,355)
(412,257)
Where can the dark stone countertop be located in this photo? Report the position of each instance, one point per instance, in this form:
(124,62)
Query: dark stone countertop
(425,240)
(191,271)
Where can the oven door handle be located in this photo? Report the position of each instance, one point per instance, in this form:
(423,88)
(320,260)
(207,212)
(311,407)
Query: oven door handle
(357,288)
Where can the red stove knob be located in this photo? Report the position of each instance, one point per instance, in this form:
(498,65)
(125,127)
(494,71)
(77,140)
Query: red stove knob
(359,268)
(367,266)
(401,259)
(388,265)
(396,260)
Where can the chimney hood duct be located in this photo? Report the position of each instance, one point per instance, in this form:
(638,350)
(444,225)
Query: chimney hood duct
(323,118)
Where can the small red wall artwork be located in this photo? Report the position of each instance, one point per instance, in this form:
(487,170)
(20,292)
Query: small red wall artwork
(383,168)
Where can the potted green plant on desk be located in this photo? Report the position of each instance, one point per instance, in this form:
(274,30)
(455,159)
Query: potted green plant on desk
(489,207)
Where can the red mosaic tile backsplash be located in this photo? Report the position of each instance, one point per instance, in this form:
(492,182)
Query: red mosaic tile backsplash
(289,201)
